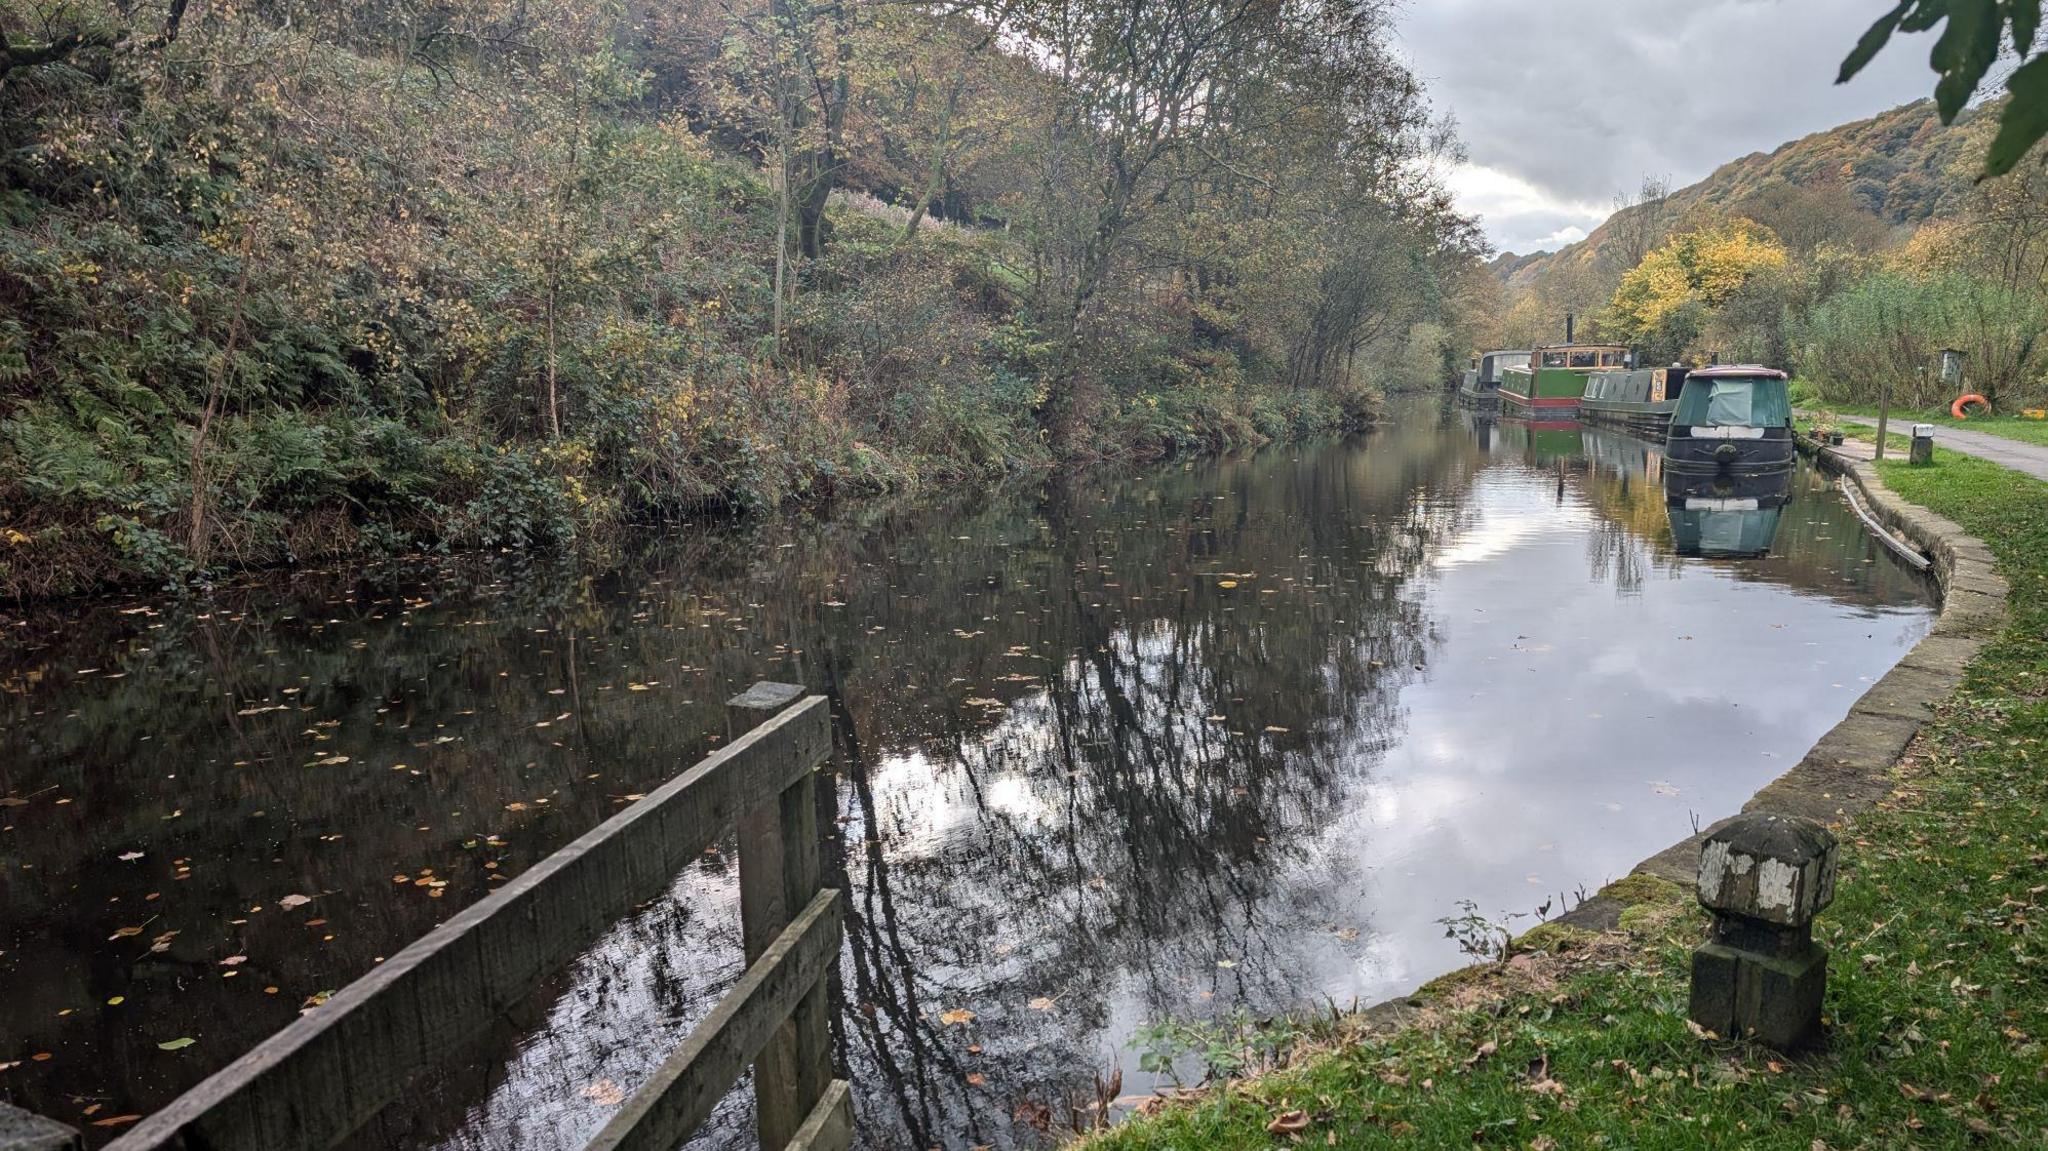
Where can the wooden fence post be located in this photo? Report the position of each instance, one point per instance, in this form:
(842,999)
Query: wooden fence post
(779,875)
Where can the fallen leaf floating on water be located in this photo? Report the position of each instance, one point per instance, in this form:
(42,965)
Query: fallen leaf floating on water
(115,1120)
(178,1044)
(129,856)
(234,961)
(124,932)
(1042,1003)
(958,1015)
(976,1079)
(605,1093)
(291,901)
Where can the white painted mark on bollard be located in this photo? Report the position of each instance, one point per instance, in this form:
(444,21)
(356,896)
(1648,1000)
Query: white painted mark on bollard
(1713,869)
(1774,884)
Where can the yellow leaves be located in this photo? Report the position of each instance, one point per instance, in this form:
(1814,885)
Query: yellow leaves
(957,1017)
(1704,266)
(13,537)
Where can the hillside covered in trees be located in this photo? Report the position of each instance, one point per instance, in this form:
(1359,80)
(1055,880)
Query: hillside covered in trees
(1850,257)
(285,280)
(1901,167)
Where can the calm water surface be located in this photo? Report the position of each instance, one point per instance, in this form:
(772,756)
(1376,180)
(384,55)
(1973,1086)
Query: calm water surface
(1215,737)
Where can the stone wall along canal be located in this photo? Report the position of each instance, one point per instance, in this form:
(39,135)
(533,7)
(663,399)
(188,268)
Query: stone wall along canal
(1217,736)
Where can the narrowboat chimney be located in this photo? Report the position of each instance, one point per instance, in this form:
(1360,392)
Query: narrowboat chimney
(1569,323)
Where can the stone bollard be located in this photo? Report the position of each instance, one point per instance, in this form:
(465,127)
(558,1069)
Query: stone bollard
(22,1131)
(1761,976)
(1922,451)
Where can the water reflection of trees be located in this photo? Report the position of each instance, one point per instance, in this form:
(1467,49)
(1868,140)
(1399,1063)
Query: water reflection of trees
(1148,840)
(1035,800)
(253,749)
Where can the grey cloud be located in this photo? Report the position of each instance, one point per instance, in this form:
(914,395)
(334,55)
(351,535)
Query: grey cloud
(1584,97)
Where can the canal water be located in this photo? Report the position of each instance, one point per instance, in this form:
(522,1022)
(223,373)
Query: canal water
(1215,738)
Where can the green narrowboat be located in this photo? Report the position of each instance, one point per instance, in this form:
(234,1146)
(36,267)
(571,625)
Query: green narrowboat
(1639,401)
(1733,418)
(1481,387)
(1550,386)
(1726,515)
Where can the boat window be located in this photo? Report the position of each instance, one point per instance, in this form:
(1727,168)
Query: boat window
(1735,403)
(1553,359)
(1585,359)
(1610,359)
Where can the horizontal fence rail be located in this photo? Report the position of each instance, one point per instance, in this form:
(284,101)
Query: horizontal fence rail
(325,1076)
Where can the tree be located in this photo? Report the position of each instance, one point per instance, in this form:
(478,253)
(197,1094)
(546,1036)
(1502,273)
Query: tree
(1806,216)
(1970,42)
(1666,300)
(1639,221)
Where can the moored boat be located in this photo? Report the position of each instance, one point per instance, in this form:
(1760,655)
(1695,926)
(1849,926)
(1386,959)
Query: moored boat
(1482,380)
(1640,401)
(1550,386)
(1731,418)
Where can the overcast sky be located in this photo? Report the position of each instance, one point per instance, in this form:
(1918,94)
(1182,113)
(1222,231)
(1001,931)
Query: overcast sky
(1563,103)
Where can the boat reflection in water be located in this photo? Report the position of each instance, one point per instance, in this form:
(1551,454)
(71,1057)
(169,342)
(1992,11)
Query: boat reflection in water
(1725,515)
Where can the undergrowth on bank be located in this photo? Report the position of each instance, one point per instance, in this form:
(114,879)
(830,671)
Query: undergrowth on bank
(1937,1010)
(292,281)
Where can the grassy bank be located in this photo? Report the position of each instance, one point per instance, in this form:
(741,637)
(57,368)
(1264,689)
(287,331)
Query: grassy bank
(2011,427)
(1937,1013)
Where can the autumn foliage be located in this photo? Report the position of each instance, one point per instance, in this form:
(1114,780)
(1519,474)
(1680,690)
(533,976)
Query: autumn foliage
(281,280)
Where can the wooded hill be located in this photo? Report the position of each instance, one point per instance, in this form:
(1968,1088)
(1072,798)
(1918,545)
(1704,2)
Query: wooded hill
(1902,166)
(1850,258)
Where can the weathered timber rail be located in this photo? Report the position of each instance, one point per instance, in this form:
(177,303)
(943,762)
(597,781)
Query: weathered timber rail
(320,1079)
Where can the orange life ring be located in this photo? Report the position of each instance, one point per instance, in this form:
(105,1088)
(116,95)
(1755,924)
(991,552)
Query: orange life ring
(1960,409)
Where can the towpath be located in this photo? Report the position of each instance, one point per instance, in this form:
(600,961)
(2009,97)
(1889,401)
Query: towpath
(2015,454)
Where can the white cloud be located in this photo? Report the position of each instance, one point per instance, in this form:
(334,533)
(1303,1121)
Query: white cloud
(1566,103)
(1519,215)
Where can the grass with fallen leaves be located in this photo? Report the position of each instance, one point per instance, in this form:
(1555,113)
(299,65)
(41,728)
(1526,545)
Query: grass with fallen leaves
(2012,427)
(1937,1008)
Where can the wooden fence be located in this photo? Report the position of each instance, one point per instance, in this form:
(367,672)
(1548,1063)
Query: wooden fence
(320,1079)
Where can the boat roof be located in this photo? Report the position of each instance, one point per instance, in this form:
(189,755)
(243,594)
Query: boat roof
(1737,372)
(1562,347)
(1508,352)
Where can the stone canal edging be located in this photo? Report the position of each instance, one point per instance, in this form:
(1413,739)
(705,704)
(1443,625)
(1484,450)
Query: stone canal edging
(1849,770)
